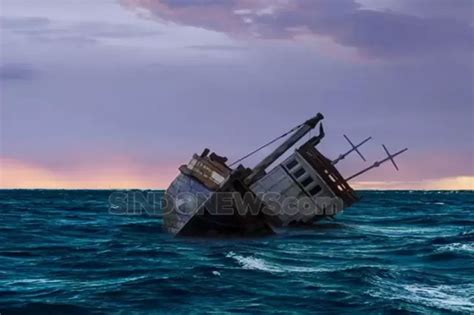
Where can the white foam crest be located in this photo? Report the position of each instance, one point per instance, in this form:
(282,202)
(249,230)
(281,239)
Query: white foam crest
(457,247)
(35,281)
(90,283)
(253,263)
(442,296)
(397,231)
(457,298)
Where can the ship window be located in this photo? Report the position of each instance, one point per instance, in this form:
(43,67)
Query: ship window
(291,164)
(307,181)
(299,172)
(315,190)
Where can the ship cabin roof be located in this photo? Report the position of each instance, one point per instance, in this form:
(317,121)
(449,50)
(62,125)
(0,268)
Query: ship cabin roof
(210,170)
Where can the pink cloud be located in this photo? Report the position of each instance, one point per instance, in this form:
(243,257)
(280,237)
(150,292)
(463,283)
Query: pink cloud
(374,34)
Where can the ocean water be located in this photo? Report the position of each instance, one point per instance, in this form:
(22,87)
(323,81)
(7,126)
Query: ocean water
(62,252)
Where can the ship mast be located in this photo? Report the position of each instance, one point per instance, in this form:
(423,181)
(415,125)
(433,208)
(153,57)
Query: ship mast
(306,127)
(354,148)
(378,163)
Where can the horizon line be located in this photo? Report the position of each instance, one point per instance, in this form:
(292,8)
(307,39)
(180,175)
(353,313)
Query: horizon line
(164,189)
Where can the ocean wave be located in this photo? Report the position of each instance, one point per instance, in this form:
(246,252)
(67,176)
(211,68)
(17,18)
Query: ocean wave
(394,252)
(398,231)
(39,281)
(254,263)
(457,248)
(35,283)
(463,237)
(457,298)
(141,227)
(443,296)
(50,308)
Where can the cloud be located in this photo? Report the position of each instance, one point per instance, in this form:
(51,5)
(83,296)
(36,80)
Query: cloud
(216,47)
(21,23)
(16,71)
(459,9)
(373,33)
(82,33)
(108,30)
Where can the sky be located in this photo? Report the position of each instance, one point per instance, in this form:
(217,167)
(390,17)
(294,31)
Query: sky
(118,94)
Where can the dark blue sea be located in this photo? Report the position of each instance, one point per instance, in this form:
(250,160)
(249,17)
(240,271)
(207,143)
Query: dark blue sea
(401,252)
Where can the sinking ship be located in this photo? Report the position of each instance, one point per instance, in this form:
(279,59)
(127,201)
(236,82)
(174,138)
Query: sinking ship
(213,198)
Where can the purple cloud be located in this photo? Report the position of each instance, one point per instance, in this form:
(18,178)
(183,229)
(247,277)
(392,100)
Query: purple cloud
(458,9)
(22,23)
(16,71)
(78,33)
(373,33)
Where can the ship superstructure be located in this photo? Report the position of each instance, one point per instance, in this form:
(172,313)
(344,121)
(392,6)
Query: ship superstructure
(210,198)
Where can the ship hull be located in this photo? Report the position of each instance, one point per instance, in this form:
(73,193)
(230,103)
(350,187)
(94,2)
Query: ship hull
(193,209)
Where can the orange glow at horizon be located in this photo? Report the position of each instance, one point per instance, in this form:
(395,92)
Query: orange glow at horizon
(446,183)
(16,174)
(119,175)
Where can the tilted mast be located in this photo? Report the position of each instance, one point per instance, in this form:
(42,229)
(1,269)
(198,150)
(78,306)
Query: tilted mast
(378,163)
(260,168)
